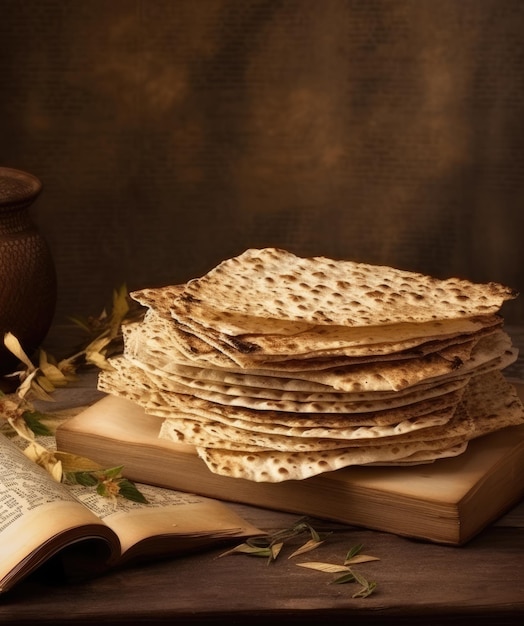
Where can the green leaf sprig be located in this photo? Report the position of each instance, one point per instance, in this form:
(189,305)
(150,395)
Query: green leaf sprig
(108,483)
(33,419)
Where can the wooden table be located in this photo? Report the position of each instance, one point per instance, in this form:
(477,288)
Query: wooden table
(417,583)
(481,582)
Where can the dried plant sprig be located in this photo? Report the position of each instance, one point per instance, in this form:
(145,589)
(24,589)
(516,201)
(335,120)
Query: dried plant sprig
(349,575)
(108,483)
(45,458)
(269,546)
(104,332)
(104,338)
(40,381)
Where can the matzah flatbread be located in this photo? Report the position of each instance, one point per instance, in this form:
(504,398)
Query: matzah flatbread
(126,379)
(271,389)
(276,466)
(317,344)
(275,284)
(370,376)
(277,367)
(209,434)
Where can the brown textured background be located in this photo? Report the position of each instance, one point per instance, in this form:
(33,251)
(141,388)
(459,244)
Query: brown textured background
(171,134)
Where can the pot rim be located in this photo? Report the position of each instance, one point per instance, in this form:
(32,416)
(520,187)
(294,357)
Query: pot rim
(17,187)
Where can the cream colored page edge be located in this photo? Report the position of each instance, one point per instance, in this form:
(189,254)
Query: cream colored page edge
(168,512)
(28,533)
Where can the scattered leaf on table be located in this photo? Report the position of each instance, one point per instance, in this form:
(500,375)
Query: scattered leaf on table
(365,591)
(368,586)
(275,550)
(360,558)
(353,551)
(307,547)
(348,577)
(330,568)
(245,548)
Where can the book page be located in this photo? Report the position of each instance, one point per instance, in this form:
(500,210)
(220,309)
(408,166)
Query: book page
(34,510)
(175,516)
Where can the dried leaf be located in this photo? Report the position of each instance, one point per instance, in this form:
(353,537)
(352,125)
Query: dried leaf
(360,558)
(368,587)
(68,367)
(251,550)
(44,383)
(14,346)
(274,550)
(119,311)
(307,547)
(26,385)
(39,393)
(94,352)
(74,463)
(19,425)
(31,385)
(51,372)
(330,568)
(46,459)
(365,591)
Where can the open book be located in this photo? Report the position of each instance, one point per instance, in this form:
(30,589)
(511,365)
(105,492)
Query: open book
(40,519)
(448,501)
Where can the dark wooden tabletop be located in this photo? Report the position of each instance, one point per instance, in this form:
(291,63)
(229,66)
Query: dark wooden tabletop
(417,583)
(481,582)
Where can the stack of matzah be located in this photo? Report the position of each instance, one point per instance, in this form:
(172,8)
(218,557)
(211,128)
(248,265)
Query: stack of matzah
(277,367)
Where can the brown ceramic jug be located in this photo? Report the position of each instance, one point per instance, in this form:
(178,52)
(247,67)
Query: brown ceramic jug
(27,271)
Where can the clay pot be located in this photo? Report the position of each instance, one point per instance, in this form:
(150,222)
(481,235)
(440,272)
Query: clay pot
(27,271)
